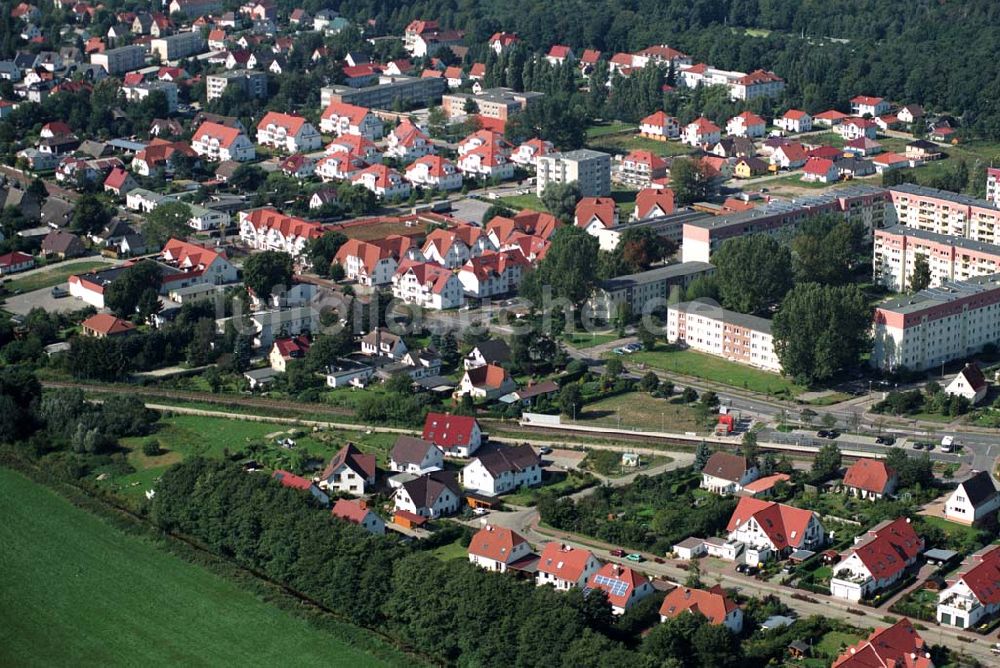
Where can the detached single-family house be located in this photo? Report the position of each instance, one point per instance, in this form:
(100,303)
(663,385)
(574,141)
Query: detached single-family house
(727,473)
(773,529)
(878,559)
(713,603)
(975,593)
(357,512)
(503,469)
(866,105)
(973,500)
(659,126)
(870,479)
(820,170)
(286,349)
(15,262)
(287,132)
(491,351)
(702,131)
(969,383)
(431,495)
(623,586)
(486,382)
(349,471)
(899,646)
(495,548)
(747,124)
(794,120)
(293,481)
(415,455)
(383,344)
(456,435)
(653,202)
(565,567)
(434,172)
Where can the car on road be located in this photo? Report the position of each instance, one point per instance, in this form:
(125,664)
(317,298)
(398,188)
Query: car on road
(619,350)
(822,433)
(747,569)
(545,451)
(618,552)
(918,446)
(928,447)
(995,649)
(633,347)
(832,434)
(635,557)
(659,560)
(948,444)
(885,440)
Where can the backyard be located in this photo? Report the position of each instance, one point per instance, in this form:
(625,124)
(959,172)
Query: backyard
(626,142)
(715,369)
(53,275)
(78,592)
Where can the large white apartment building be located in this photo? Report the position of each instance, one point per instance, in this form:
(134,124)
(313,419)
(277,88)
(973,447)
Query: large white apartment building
(705,326)
(949,258)
(590,169)
(933,210)
(993,184)
(937,325)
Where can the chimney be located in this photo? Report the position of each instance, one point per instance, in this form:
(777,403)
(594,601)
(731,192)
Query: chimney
(362,504)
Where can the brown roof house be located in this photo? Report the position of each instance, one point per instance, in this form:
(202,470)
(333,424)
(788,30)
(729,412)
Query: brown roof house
(349,471)
(58,243)
(727,473)
(503,469)
(969,383)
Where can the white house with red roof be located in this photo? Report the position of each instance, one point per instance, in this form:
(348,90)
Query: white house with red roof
(119,182)
(653,202)
(747,124)
(355,146)
(407,142)
(286,349)
(356,511)
(488,381)
(493,273)
(340,166)
(702,131)
(641,167)
(298,166)
(527,153)
(866,105)
(598,216)
(820,170)
(878,559)
(565,567)
(715,604)
(899,646)
(789,156)
(794,120)
(502,41)
(659,126)
(216,142)
(340,119)
(456,435)
(623,586)
(829,118)
(559,54)
(759,83)
(768,528)
(375,262)
(269,229)
(287,132)
(969,383)
(853,128)
(495,548)
(382,180)
(485,153)
(434,172)
(870,479)
(350,471)
(589,58)
(427,284)
(974,593)
(453,247)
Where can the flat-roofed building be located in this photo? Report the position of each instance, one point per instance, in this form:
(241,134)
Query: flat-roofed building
(120,60)
(498,103)
(181,45)
(933,210)
(591,170)
(646,289)
(251,84)
(388,92)
(949,258)
(705,326)
(937,325)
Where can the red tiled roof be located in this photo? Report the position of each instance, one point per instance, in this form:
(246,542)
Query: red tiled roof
(590,56)
(784,525)
(658,119)
(292,123)
(758,77)
(496,264)
(564,562)
(649,198)
(292,346)
(767,482)
(714,603)
(704,125)
(750,118)
(288,479)
(899,646)
(866,99)
(818,166)
(353,112)
(886,548)
(795,114)
(831,115)
(289,226)
(496,543)
(106,324)
(983,575)
(558,51)
(188,255)
(225,135)
(828,152)
(448,431)
(871,475)
(489,376)
(351,510)
(116,178)
(602,208)
(618,594)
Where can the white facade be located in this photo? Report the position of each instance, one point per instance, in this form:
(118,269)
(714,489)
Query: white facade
(476,476)
(285,138)
(716,331)
(212,148)
(591,170)
(438,294)
(433,461)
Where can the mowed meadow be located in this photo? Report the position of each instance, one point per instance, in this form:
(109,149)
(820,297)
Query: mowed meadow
(77,591)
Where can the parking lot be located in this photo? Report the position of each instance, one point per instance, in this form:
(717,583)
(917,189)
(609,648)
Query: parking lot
(21,304)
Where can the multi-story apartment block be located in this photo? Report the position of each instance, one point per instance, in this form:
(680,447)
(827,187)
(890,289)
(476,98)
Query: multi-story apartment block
(143,90)
(949,258)
(863,203)
(178,46)
(120,60)
(651,289)
(741,86)
(497,103)
(944,212)
(937,325)
(993,184)
(388,92)
(591,170)
(705,326)
(251,84)
(269,229)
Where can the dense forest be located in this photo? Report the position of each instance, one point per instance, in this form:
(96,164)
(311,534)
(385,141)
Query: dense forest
(939,54)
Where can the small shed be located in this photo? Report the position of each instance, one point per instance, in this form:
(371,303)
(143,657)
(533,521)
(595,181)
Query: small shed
(798,556)
(938,557)
(798,649)
(408,520)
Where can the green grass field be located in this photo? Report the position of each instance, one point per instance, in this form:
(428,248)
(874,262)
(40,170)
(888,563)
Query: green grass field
(623,143)
(715,369)
(589,339)
(56,274)
(609,128)
(452,550)
(519,202)
(641,411)
(182,436)
(76,591)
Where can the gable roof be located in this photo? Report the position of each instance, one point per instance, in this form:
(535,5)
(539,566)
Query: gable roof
(818,166)
(871,475)
(410,450)
(726,465)
(489,376)
(509,459)
(618,582)
(290,122)
(351,510)
(448,431)
(354,459)
(493,350)
(784,525)
(496,543)
(648,199)
(982,574)
(426,489)
(563,561)
(106,324)
(601,208)
(973,376)
(209,130)
(354,113)
(887,547)
(713,603)
(291,480)
(898,646)
(979,488)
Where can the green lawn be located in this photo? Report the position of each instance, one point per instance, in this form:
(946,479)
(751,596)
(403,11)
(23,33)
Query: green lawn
(56,274)
(639,410)
(833,642)
(608,128)
(519,202)
(589,339)
(715,369)
(182,436)
(452,550)
(76,591)
(623,143)
(827,139)
(573,481)
(951,528)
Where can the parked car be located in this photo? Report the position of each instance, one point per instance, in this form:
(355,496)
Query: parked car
(635,557)
(885,440)
(545,451)
(823,433)
(918,446)
(618,552)
(480,511)
(659,560)
(832,434)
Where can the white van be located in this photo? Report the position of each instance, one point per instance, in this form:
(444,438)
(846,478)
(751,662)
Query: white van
(948,444)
